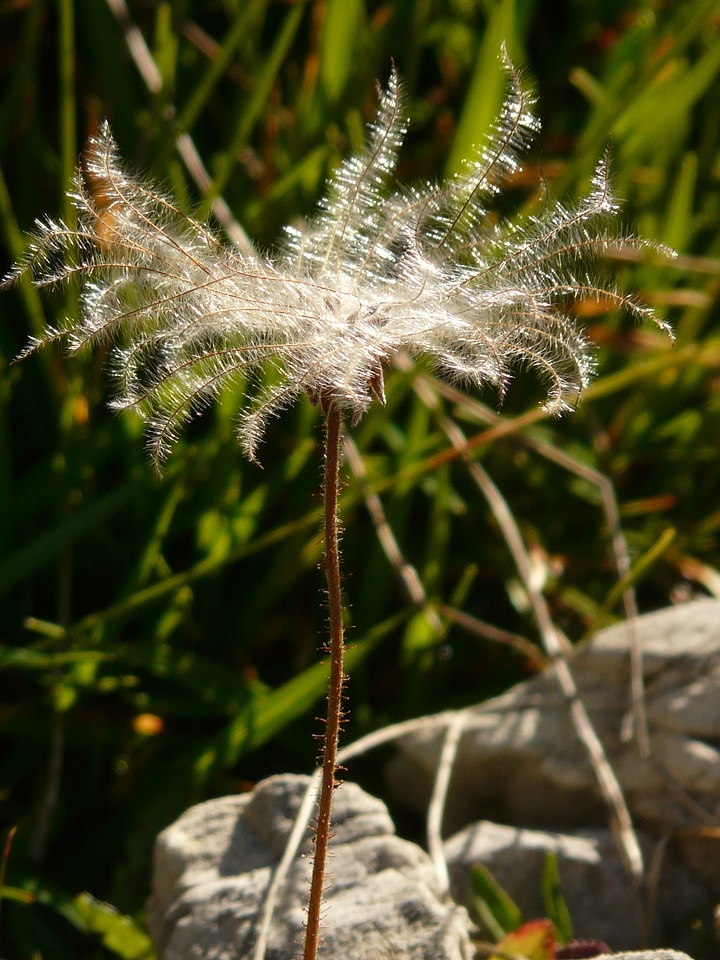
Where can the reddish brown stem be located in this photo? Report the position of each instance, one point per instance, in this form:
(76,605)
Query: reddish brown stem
(337,678)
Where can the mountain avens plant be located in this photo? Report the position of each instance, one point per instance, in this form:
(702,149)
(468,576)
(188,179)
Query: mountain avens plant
(381,270)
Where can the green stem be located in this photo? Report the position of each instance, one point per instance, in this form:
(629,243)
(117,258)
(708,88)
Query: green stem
(68,118)
(337,677)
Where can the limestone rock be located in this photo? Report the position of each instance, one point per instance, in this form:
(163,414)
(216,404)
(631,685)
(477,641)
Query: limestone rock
(600,898)
(520,762)
(213,865)
(647,955)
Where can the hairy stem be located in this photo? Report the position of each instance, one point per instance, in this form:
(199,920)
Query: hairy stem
(337,677)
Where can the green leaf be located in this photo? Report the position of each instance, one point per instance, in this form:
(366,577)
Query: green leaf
(487,89)
(495,908)
(420,636)
(679,218)
(17,894)
(120,934)
(555,906)
(24,562)
(337,45)
(267,715)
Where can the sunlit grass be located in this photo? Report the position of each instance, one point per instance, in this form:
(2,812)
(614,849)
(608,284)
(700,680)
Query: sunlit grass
(195,599)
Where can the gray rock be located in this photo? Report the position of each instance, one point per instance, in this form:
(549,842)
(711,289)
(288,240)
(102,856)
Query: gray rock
(599,895)
(213,866)
(520,762)
(647,955)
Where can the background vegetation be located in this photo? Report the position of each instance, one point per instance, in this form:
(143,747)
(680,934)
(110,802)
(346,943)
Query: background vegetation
(159,638)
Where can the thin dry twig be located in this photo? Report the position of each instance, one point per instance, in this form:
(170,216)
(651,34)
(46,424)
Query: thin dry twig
(152,78)
(637,718)
(405,571)
(619,813)
(608,783)
(489,631)
(438,799)
(139,50)
(408,575)
(371,741)
(294,842)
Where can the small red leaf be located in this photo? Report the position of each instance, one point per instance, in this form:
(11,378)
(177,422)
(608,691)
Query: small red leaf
(534,940)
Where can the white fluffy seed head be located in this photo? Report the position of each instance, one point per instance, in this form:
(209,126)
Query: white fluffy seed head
(378,271)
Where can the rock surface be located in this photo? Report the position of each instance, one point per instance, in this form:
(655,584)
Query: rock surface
(594,883)
(647,955)
(213,866)
(520,762)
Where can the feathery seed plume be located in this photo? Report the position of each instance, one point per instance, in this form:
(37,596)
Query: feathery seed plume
(378,271)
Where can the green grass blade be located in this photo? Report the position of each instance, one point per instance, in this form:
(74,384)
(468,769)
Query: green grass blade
(493,905)
(678,228)
(269,714)
(25,658)
(664,107)
(343,20)
(639,569)
(26,561)
(487,88)
(556,908)
(248,13)
(68,118)
(256,103)
(28,293)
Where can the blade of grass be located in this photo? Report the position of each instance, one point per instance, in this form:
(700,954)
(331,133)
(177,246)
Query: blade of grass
(340,29)
(271,713)
(486,87)
(556,908)
(247,13)
(24,658)
(631,78)
(678,226)
(47,547)
(68,118)
(28,293)
(256,104)
(494,906)
(651,114)
(639,569)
